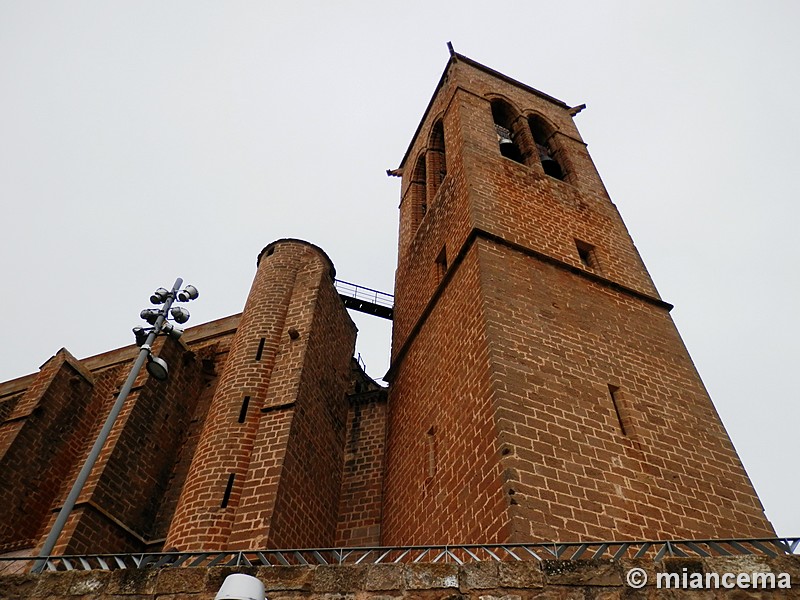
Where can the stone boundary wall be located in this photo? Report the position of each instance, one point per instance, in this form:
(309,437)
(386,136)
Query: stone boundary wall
(551,580)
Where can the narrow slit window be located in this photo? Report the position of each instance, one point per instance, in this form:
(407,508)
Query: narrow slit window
(613,391)
(260,350)
(243,411)
(227,495)
(431,447)
(441,264)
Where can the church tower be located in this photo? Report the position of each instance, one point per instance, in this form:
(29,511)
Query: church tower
(539,388)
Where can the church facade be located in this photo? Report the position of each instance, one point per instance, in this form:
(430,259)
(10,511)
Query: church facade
(538,389)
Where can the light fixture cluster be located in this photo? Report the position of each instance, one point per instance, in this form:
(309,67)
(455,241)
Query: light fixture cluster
(158,319)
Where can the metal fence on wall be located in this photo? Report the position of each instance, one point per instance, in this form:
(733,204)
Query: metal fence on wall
(615,550)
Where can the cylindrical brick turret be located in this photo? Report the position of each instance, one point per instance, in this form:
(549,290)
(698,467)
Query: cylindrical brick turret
(287,281)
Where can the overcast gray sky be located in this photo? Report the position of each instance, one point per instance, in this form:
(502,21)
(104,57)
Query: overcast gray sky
(141,141)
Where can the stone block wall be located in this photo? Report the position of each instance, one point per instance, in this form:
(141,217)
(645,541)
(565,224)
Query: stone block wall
(548,580)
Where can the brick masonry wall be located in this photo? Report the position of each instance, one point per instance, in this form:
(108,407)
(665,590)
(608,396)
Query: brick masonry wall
(132,474)
(658,465)
(524,338)
(307,502)
(360,502)
(443,476)
(40,438)
(286,372)
(550,580)
(49,420)
(210,357)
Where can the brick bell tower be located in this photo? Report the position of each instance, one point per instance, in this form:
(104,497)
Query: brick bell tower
(539,388)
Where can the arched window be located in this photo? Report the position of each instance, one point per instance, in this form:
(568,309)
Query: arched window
(542,133)
(419,204)
(435,161)
(504,117)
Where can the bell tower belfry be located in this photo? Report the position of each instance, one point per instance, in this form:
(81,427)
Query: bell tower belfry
(539,388)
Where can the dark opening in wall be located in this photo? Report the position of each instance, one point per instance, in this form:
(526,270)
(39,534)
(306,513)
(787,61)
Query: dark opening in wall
(243,411)
(542,136)
(441,264)
(436,161)
(227,495)
(503,116)
(419,202)
(613,391)
(587,255)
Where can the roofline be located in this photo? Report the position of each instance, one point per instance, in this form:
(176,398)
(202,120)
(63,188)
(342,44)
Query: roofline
(455,57)
(322,252)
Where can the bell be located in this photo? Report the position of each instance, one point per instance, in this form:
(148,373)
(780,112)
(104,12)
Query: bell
(503,136)
(549,164)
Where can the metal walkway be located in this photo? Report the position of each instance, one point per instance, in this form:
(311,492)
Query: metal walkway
(366,300)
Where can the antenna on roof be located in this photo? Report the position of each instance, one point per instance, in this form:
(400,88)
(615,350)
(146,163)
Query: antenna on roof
(450,48)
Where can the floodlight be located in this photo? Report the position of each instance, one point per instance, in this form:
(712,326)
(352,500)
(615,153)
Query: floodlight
(241,587)
(180,314)
(159,296)
(141,335)
(150,315)
(188,293)
(171,330)
(157,368)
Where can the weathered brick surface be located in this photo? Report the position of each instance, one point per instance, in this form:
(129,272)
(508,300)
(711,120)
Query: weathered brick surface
(529,580)
(533,361)
(664,468)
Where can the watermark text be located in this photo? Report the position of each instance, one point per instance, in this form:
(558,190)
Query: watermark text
(689,580)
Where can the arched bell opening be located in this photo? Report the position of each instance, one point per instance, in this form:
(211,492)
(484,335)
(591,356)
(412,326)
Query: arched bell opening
(436,163)
(419,202)
(503,116)
(542,133)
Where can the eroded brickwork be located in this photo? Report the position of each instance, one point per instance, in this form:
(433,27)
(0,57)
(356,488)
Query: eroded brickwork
(443,478)
(306,509)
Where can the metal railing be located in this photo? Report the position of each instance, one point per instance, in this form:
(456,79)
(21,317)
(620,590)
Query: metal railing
(365,299)
(613,550)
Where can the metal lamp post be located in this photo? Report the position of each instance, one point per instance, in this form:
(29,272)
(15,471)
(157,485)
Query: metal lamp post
(156,367)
